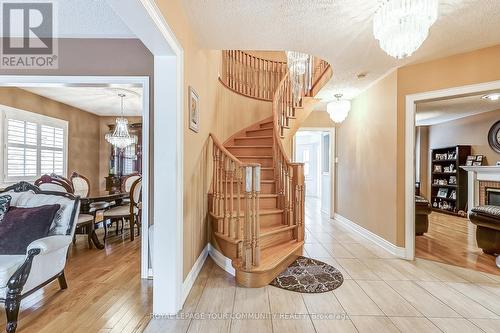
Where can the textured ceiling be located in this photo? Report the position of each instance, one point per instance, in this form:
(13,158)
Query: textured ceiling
(436,112)
(339,31)
(101,101)
(88,19)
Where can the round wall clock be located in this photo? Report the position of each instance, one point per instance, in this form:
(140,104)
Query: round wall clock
(494,137)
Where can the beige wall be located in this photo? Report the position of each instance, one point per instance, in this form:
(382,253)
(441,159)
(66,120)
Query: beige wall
(366,170)
(268,55)
(318,119)
(83,128)
(201,69)
(237,112)
(105,147)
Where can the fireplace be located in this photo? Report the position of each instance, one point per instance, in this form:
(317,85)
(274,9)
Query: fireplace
(483,185)
(493,196)
(487,189)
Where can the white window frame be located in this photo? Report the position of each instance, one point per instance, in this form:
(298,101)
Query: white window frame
(18,114)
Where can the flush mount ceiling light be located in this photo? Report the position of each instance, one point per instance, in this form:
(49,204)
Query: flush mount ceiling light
(401,26)
(120,137)
(339,109)
(492,97)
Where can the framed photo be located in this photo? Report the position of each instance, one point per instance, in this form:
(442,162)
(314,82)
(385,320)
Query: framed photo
(442,193)
(438,168)
(479,158)
(453,195)
(194,110)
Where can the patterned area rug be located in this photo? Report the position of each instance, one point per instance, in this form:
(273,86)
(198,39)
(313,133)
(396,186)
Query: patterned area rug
(306,275)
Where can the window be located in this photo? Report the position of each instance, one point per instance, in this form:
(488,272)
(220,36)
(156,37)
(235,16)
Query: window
(33,145)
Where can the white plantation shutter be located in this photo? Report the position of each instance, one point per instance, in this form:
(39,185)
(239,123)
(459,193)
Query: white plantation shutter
(22,139)
(51,154)
(33,145)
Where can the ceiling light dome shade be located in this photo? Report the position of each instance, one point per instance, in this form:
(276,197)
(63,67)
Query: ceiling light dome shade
(401,26)
(338,110)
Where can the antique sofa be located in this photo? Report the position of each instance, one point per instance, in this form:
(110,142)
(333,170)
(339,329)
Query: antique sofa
(487,220)
(422,211)
(45,258)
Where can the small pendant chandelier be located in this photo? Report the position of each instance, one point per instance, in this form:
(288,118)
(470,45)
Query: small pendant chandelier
(297,63)
(120,138)
(401,26)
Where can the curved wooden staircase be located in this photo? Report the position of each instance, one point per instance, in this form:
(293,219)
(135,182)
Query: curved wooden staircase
(257,200)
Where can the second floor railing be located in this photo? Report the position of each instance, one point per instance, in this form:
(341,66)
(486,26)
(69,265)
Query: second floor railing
(251,76)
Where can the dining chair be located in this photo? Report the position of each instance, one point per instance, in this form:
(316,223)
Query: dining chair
(126,185)
(54,183)
(81,184)
(131,212)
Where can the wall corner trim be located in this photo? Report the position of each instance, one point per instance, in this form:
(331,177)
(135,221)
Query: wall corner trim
(193,274)
(221,260)
(376,239)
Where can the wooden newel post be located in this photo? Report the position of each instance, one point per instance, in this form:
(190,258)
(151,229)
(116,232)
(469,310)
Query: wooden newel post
(247,237)
(298,186)
(256,221)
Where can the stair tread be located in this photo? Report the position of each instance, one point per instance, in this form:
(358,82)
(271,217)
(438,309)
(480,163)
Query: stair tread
(274,255)
(254,156)
(255,137)
(247,146)
(262,211)
(273,229)
(258,129)
(262,195)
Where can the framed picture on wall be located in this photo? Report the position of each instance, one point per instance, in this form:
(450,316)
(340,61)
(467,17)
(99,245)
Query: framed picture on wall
(194,110)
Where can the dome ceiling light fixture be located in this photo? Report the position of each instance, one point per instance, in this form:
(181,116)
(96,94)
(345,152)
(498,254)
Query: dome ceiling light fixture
(339,109)
(401,26)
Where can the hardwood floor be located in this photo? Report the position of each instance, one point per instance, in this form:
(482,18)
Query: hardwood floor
(452,240)
(380,293)
(105,293)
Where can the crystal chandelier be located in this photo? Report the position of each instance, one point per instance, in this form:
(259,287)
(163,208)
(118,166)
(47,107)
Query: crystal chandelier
(297,65)
(401,26)
(120,137)
(339,109)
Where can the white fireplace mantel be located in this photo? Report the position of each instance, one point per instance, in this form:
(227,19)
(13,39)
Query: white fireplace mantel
(476,174)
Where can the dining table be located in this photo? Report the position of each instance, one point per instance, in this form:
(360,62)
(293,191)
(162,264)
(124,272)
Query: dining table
(97,201)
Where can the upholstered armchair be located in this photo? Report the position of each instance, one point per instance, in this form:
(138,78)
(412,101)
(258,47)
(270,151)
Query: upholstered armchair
(45,258)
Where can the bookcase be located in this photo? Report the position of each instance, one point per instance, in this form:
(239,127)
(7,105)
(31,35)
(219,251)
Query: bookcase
(449,181)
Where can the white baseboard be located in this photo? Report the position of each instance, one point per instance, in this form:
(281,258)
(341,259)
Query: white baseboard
(383,243)
(193,274)
(221,260)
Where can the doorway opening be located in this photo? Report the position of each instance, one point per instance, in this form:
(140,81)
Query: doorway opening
(314,148)
(452,146)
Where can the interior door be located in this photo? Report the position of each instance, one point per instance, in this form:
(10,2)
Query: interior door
(326,178)
(309,155)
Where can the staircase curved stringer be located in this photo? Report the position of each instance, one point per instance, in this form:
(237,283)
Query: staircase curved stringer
(256,205)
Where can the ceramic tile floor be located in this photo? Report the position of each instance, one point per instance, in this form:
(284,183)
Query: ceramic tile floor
(380,294)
